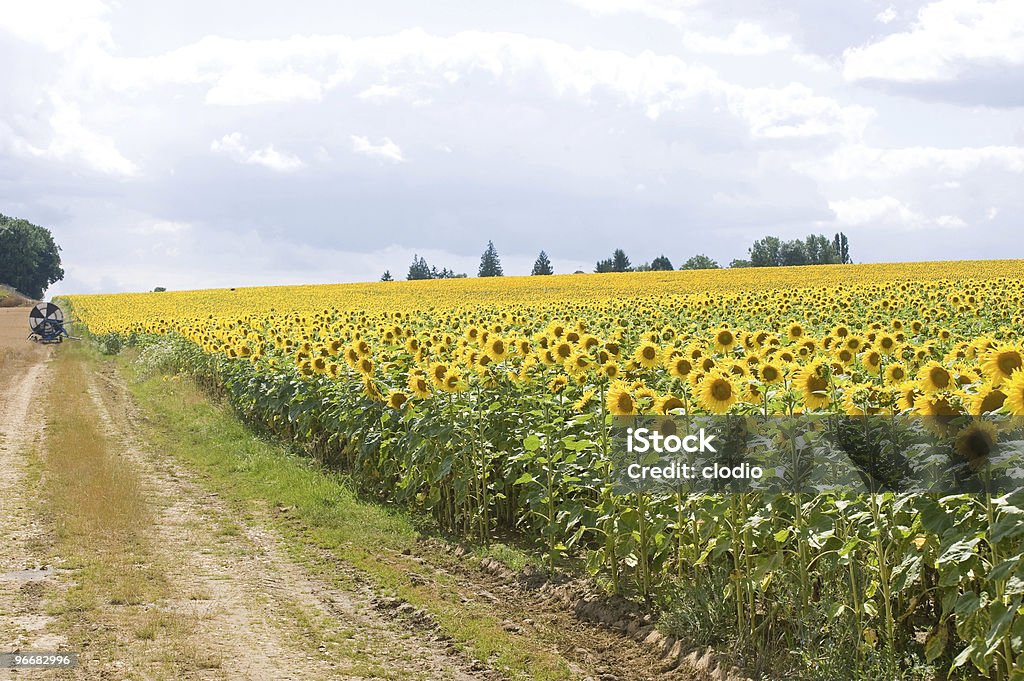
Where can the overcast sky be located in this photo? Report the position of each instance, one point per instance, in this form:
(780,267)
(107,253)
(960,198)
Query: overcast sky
(197,144)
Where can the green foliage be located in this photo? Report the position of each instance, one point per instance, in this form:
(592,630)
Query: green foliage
(490,264)
(29,257)
(109,343)
(816,249)
(419,269)
(661,264)
(387,276)
(699,262)
(619,262)
(542,266)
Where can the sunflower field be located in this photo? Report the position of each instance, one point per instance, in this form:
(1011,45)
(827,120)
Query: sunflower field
(486,404)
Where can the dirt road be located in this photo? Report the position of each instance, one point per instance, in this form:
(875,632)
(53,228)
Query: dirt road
(231,605)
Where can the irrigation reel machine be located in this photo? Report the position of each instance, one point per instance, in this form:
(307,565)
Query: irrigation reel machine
(46,320)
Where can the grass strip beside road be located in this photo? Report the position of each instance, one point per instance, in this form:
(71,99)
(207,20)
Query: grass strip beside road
(99,520)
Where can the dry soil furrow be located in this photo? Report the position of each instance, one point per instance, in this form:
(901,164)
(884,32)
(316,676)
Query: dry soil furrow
(235,574)
(24,626)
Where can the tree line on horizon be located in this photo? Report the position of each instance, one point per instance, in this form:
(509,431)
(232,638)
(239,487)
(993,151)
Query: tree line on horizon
(770,251)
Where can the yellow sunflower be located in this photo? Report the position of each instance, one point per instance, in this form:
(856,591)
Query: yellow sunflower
(895,373)
(396,399)
(497,349)
(717,393)
(1014,389)
(1000,363)
(770,373)
(418,385)
(934,377)
(725,340)
(812,382)
(647,355)
(620,401)
(667,403)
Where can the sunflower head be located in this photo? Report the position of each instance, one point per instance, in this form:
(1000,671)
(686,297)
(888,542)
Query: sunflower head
(934,377)
(813,383)
(647,355)
(770,373)
(975,442)
(725,339)
(1014,389)
(1002,362)
(667,403)
(717,392)
(895,373)
(397,399)
(620,401)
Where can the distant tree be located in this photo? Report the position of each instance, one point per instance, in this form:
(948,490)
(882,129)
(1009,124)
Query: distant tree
(445,273)
(542,265)
(793,253)
(661,264)
(29,258)
(842,249)
(766,252)
(620,263)
(604,265)
(159,289)
(820,250)
(699,262)
(419,269)
(642,267)
(739,264)
(387,276)
(490,264)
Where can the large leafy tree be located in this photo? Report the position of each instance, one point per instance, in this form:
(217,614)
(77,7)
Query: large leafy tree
(766,252)
(29,257)
(661,264)
(490,264)
(699,262)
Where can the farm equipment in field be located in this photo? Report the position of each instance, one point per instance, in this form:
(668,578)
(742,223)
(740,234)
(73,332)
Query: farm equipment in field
(46,321)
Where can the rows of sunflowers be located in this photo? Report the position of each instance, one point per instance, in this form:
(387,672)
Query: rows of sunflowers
(486,403)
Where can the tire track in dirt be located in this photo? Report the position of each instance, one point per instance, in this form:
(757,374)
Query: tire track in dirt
(24,625)
(245,591)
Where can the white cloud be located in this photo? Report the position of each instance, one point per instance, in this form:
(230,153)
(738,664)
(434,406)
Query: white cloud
(57,25)
(887,15)
(948,38)
(795,111)
(165,227)
(854,161)
(887,211)
(386,150)
(746,39)
(526,66)
(233,146)
(72,141)
(245,87)
(380,93)
(671,11)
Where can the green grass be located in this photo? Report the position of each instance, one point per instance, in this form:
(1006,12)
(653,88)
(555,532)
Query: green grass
(324,516)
